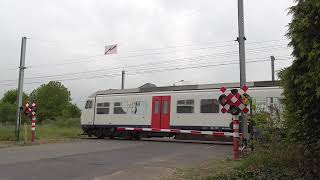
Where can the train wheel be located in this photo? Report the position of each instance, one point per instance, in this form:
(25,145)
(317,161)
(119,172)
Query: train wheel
(136,136)
(111,136)
(99,134)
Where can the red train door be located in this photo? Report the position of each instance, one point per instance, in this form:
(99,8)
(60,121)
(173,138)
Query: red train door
(161,112)
(156,112)
(165,112)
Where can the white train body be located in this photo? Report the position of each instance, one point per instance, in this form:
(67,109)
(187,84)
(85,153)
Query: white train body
(177,107)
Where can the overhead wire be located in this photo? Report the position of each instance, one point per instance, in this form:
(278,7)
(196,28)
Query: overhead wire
(66,61)
(111,70)
(142,72)
(225,54)
(89,60)
(182,60)
(192,43)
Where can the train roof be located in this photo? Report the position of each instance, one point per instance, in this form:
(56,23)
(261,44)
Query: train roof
(148,87)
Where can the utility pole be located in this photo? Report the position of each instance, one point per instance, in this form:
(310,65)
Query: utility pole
(122,79)
(272,78)
(272,67)
(20,85)
(241,39)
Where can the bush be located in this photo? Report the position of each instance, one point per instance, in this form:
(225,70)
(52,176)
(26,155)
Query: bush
(277,161)
(270,126)
(60,129)
(51,98)
(68,122)
(7,132)
(261,173)
(48,131)
(301,84)
(71,111)
(11,97)
(273,157)
(7,113)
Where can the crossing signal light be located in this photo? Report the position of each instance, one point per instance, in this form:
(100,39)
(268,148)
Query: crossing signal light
(30,110)
(246,99)
(223,99)
(234,110)
(234,91)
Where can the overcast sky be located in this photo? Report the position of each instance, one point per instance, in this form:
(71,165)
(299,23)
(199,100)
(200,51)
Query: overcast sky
(67,38)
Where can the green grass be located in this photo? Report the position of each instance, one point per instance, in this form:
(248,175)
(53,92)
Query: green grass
(7,132)
(274,161)
(47,132)
(205,170)
(54,132)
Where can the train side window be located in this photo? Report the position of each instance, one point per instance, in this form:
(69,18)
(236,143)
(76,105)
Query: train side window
(156,107)
(185,106)
(209,106)
(88,104)
(136,107)
(190,101)
(103,108)
(118,108)
(165,107)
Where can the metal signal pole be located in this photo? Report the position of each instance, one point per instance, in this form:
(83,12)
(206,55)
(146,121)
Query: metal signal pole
(20,85)
(241,39)
(272,67)
(272,77)
(122,79)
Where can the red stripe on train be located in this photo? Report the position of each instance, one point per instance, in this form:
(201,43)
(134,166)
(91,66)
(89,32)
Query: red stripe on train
(195,132)
(121,129)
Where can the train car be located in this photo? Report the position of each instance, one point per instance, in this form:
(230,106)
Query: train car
(151,111)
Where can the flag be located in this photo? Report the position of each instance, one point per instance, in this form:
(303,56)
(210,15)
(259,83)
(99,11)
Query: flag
(110,49)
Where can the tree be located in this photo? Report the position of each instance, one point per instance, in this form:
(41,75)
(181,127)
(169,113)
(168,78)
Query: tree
(11,97)
(301,81)
(8,105)
(7,112)
(71,111)
(51,100)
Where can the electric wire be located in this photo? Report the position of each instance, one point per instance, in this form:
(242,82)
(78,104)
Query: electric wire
(139,65)
(89,58)
(142,72)
(183,60)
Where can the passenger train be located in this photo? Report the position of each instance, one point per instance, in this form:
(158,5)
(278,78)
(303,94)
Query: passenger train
(151,111)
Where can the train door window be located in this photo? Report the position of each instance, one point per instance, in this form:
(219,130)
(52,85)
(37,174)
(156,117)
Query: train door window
(165,107)
(185,106)
(119,108)
(156,107)
(209,106)
(88,104)
(103,108)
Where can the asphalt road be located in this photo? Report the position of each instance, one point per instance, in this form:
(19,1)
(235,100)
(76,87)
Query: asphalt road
(104,159)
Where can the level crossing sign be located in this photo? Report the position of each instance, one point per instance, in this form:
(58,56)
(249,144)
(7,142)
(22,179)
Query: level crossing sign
(30,109)
(234,101)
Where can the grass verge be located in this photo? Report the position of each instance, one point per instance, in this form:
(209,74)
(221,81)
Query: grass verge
(205,170)
(49,132)
(272,162)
